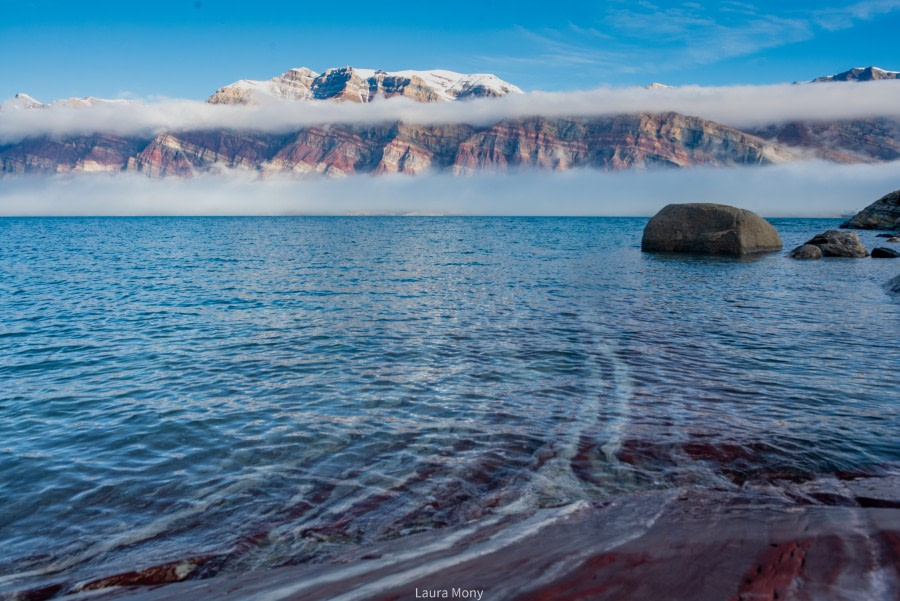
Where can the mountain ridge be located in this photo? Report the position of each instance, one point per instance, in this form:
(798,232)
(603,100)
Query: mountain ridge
(870,73)
(632,140)
(365,85)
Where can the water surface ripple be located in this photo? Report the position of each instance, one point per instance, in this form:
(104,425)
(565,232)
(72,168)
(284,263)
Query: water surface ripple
(263,391)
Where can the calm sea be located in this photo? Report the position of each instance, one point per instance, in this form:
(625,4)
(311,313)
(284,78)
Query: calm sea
(266,391)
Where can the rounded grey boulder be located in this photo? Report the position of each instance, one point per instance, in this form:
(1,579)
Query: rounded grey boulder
(835,243)
(709,229)
(807,251)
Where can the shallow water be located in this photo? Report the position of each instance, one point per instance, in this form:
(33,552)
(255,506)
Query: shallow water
(266,391)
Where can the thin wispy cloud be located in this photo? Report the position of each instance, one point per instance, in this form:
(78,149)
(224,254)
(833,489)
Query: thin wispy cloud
(645,37)
(557,50)
(847,16)
(736,105)
(811,189)
(693,35)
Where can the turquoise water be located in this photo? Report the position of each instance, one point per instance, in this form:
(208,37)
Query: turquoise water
(265,391)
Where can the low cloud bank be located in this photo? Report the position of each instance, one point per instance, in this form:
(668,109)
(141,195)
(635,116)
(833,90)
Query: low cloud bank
(805,189)
(736,105)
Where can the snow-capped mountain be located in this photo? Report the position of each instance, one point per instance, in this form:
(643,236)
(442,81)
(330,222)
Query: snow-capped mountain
(24,101)
(77,103)
(21,101)
(365,85)
(859,74)
(624,141)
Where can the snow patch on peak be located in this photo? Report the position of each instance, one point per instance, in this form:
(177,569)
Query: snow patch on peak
(301,71)
(361,73)
(22,101)
(364,85)
(77,103)
(451,85)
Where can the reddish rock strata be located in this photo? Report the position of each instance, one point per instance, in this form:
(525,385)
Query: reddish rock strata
(680,545)
(622,142)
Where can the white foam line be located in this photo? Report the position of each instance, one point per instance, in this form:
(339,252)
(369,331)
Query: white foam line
(565,564)
(623,389)
(494,544)
(878,583)
(557,472)
(369,566)
(525,529)
(19,576)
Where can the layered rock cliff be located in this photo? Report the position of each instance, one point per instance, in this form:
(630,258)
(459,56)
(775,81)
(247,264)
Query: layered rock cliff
(612,143)
(47,154)
(847,141)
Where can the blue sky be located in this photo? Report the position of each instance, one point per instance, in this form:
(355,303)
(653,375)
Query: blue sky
(188,48)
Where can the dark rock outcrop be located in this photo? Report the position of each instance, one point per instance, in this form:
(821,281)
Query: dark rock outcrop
(835,243)
(884,253)
(806,251)
(708,228)
(859,74)
(883,214)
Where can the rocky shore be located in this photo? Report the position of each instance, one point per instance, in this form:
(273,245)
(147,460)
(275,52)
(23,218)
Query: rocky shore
(826,539)
(832,243)
(883,214)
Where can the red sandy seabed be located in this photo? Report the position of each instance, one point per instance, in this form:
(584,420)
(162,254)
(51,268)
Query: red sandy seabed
(824,540)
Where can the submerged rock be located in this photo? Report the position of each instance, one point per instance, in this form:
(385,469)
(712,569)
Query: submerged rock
(833,243)
(894,239)
(894,285)
(708,228)
(883,214)
(823,539)
(806,251)
(884,253)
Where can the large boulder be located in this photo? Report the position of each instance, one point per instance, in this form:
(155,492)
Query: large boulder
(709,229)
(883,214)
(833,243)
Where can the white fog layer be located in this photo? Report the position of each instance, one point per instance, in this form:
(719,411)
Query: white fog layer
(803,189)
(734,105)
